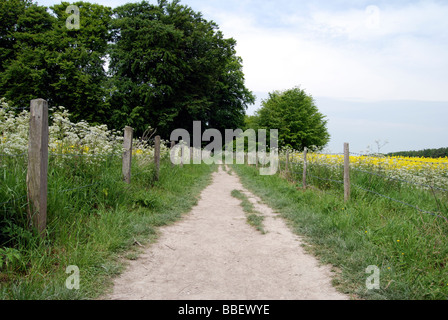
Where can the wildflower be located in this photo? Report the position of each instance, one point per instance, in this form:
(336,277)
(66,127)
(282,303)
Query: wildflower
(65,137)
(412,169)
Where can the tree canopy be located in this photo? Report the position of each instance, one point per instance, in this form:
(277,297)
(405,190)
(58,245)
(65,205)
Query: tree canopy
(49,61)
(171,67)
(167,65)
(297,118)
(426,153)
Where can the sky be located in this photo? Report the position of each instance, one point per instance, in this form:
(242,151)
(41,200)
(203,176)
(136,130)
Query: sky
(378,70)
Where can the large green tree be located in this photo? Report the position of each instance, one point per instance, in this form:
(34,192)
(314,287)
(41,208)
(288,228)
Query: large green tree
(170,67)
(45,59)
(10,11)
(296,116)
(24,41)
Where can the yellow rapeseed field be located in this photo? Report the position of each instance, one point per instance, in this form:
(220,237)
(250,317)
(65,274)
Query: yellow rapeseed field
(414,169)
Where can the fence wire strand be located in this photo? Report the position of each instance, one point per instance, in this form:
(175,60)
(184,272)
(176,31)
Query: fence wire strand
(324,179)
(12,201)
(399,201)
(295,164)
(401,180)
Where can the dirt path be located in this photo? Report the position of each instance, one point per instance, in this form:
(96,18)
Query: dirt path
(213,254)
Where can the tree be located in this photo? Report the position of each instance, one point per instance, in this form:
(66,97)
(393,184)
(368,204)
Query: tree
(76,62)
(49,61)
(10,10)
(426,153)
(170,67)
(297,118)
(250,122)
(24,39)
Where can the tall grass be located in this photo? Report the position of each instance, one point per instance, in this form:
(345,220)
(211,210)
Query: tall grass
(408,246)
(94,220)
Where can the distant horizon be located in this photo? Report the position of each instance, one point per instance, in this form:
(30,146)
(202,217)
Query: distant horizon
(340,113)
(416,150)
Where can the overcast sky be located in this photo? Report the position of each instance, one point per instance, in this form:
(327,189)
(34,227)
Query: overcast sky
(377,69)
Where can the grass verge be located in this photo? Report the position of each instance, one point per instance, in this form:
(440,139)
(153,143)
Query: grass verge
(253,217)
(95,228)
(408,248)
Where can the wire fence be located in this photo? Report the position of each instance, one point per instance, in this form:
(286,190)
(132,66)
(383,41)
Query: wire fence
(322,174)
(22,200)
(13,155)
(22,189)
(401,180)
(401,202)
(10,108)
(15,210)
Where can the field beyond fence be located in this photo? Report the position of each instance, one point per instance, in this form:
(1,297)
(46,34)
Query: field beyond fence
(418,183)
(357,211)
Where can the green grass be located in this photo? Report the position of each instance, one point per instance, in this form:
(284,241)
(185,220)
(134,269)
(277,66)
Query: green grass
(253,217)
(409,248)
(95,228)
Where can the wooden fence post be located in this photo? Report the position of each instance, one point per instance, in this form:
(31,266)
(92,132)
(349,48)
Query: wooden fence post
(127,155)
(287,164)
(346,172)
(37,174)
(157,157)
(305,152)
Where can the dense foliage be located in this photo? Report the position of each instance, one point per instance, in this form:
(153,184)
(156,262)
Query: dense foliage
(171,67)
(140,64)
(41,58)
(426,153)
(297,118)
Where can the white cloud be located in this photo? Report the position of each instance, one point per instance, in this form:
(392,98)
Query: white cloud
(370,54)
(424,18)
(383,51)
